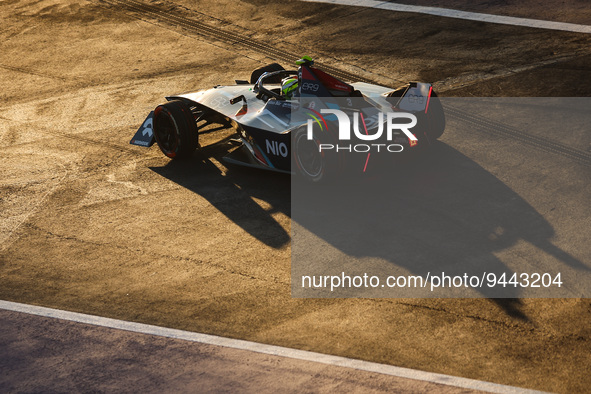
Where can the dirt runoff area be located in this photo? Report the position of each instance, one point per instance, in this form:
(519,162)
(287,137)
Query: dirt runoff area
(91,224)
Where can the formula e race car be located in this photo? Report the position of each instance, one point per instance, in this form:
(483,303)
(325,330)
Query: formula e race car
(314,131)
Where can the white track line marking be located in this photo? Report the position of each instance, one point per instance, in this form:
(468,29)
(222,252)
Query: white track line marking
(473,16)
(262,348)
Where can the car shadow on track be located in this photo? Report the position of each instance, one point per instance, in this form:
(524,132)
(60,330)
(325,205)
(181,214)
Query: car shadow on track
(234,192)
(441,212)
(441,208)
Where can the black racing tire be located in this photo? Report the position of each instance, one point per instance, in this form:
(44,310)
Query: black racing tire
(435,117)
(308,161)
(256,74)
(175,130)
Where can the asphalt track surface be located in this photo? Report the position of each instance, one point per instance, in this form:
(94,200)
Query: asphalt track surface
(93,225)
(81,350)
(461,14)
(72,357)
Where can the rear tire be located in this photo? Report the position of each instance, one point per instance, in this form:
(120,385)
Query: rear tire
(256,74)
(175,130)
(435,117)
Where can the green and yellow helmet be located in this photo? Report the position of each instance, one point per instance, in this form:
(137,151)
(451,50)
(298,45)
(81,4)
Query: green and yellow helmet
(307,60)
(289,86)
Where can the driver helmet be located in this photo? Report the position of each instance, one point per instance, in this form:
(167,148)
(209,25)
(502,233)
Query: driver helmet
(289,86)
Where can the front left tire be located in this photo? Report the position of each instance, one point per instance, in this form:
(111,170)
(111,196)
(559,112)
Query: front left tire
(310,162)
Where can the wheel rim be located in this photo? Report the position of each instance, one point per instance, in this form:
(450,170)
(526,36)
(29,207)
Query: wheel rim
(309,158)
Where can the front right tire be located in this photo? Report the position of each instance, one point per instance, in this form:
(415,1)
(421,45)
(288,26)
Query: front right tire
(175,130)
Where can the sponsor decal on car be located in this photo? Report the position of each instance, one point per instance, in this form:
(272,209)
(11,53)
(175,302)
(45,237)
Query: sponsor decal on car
(276,148)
